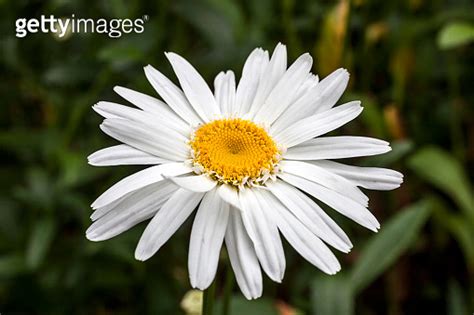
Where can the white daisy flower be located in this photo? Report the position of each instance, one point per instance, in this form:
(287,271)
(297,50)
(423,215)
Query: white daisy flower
(249,157)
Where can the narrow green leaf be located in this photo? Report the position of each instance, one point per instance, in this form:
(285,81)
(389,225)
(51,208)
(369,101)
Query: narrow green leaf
(444,172)
(393,239)
(462,230)
(11,265)
(332,295)
(240,305)
(456,302)
(40,241)
(456,34)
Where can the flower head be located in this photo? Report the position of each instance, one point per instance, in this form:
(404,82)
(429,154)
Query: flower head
(249,157)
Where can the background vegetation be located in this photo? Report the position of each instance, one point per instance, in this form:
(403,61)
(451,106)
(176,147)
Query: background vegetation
(411,64)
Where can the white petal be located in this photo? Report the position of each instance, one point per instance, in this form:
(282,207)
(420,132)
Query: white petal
(138,180)
(311,81)
(207,235)
(248,84)
(137,207)
(339,202)
(368,177)
(285,90)
(318,124)
(224,91)
(331,89)
(270,77)
(311,215)
(229,194)
(325,178)
(123,154)
(196,183)
(301,108)
(303,241)
(150,104)
(172,95)
(263,232)
(129,198)
(242,257)
(170,217)
(158,140)
(113,110)
(337,148)
(196,89)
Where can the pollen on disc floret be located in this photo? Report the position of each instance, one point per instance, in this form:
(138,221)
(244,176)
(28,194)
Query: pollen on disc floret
(235,151)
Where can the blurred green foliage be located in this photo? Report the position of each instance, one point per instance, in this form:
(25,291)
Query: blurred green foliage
(411,64)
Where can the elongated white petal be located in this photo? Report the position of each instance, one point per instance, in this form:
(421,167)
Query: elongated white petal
(248,84)
(337,148)
(157,141)
(172,95)
(311,215)
(196,183)
(150,104)
(367,177)
(339,202)
(229,194)
(325,178)
(129,198)
(311,81)
(165,223)
(102,210)
(331,89)
(224,91)
(302,240)
(123,154)
(300,109)
(138,180)
(318,124)
(139,206)
(207,236)
(263,232)
(285,90)
(195,88)
(242,257)
(113,110)
(270,77)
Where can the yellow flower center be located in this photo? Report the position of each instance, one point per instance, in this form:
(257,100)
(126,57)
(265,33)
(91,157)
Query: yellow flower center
(235,151)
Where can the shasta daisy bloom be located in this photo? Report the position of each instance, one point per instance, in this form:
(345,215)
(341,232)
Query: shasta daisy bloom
(248,157)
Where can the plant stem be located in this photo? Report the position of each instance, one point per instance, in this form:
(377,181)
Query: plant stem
(229,285)
(208,299)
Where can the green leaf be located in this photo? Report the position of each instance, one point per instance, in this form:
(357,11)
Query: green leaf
(444,172)
(332,295)
(40,241)
(218,28)
(462,230)
(455,34)
(240,305)
(464,233)
(11,265)
(456,302)
(394,238)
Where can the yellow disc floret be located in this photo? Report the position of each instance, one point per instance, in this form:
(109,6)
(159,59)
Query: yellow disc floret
(234,151)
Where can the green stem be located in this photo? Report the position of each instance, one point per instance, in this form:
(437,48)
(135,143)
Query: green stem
(229,285)
(208,299)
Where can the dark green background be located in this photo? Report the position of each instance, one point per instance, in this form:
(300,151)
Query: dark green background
(411,64)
